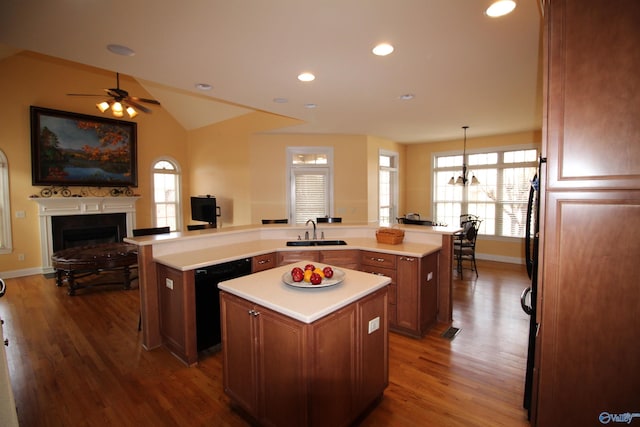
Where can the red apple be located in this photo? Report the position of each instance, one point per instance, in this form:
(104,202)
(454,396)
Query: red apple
(316,279)
(297,274)
(310,267)
(328,272)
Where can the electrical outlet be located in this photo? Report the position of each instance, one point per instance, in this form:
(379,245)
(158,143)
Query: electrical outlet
(374,324)
(20,257)
(169,283)
(20,214)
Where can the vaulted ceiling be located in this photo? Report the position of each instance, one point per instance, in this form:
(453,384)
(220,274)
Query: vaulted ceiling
(460,66)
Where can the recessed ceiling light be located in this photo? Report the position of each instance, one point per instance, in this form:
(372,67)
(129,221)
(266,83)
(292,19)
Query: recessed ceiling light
(500,8)
(203,86)
(306,77)
(407,96)
(120,50)
(310,105)
(280,100)
(383,49)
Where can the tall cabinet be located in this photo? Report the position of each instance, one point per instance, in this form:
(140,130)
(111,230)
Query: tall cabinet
(588,344)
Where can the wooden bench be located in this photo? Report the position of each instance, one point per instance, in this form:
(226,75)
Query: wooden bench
(74,263)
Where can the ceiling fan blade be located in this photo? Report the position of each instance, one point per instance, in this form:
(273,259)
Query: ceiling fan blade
(138,106)
(148,101)
(82,94)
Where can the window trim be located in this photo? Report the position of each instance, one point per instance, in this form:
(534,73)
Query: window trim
(395,183)
(178,174)
(329,167)
(6,245)
(458,170)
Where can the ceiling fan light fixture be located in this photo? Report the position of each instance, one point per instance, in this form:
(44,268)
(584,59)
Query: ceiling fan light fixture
(500,8)
(117,109)
(132,113)
(102,106)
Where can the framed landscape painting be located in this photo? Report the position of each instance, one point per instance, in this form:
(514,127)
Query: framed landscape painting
(70,149)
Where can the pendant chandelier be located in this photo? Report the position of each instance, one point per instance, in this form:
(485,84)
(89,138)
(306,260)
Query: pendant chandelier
(462,179)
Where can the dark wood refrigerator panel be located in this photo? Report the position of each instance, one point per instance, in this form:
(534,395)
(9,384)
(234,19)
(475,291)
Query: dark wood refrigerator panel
(587,368)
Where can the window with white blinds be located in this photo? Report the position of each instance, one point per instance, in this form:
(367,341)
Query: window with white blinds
(388,188)
(166,194)
(310,176)
(5,210)
(499,199)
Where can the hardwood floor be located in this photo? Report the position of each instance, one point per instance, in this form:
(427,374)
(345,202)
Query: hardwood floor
(77,361)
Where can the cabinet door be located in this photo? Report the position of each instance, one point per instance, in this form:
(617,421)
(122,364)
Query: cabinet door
(392,289)
(288,257)
(238,349)
(407,298)
(263,262)
(176,291)
(346,258)
(333,371)
(373,348)
(282,354)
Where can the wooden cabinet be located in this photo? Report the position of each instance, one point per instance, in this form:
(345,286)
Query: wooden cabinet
(345,258)
(288,257)
(176,292)
(586,364)
(263,262)
(264,355)
(284,372)
(413,292)
(384,265)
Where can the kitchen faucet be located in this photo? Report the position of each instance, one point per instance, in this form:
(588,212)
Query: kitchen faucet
(315,237)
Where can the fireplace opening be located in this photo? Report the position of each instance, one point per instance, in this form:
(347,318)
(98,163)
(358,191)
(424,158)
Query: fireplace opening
(70,231)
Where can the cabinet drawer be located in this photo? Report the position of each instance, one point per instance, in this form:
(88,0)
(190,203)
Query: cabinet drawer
(378,259)
(289,257)
(263,262)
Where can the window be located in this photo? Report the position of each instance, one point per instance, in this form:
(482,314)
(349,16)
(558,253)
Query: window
(5,210)
(388,188)
(166,194)
(500,199)
(310,190)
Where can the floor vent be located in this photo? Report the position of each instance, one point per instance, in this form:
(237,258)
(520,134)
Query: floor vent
(451,333)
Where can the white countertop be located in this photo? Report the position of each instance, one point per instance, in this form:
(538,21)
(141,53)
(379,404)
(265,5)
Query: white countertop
(307,305)
(191,260)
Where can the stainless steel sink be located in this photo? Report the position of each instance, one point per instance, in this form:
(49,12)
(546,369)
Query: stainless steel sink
(316,243)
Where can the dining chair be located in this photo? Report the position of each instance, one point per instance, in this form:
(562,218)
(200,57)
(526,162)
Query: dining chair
(275,221)
(464,246)
(328,219)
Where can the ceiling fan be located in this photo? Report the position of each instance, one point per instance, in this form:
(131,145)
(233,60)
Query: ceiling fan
(121,101)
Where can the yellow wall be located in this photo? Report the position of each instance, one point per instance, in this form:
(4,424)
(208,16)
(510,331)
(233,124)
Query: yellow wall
(419,186)
(30,79)
(269,172)
(236,161)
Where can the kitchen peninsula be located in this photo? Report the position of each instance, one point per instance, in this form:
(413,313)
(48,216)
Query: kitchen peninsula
(421,265)
(296,355)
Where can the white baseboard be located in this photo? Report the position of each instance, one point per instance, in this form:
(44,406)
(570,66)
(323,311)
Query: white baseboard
(21,273)
(497,258)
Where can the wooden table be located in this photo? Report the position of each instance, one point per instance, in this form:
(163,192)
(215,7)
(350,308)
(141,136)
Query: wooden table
(82,261)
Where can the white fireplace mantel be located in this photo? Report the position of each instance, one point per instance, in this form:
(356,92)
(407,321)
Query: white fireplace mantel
(56,206)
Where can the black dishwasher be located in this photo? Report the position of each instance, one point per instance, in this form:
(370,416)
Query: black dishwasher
(208,299)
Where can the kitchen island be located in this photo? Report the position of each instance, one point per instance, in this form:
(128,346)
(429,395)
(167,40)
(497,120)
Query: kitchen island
(168,264)
(304,356)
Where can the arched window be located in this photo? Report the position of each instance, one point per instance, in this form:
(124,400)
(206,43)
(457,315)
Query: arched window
(5,209)
(166,194)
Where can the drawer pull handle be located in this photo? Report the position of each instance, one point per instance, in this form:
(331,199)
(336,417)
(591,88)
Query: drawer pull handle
(264,261)
(254,313)
(377,259)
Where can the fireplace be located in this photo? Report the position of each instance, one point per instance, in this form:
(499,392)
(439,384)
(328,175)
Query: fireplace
(79,221)
(70,231)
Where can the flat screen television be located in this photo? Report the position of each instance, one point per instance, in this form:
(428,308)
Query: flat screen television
(203,208)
